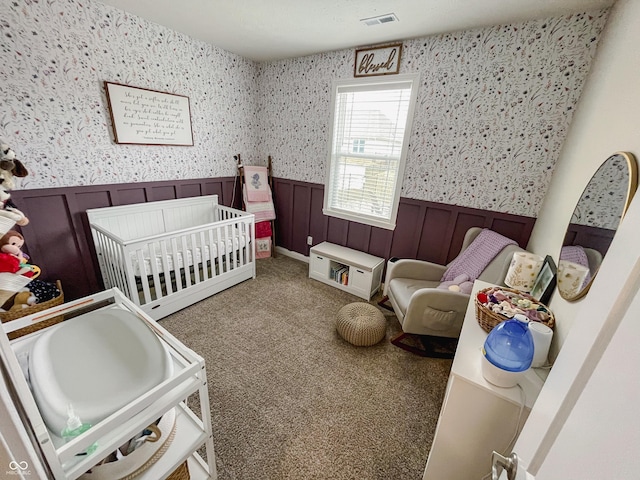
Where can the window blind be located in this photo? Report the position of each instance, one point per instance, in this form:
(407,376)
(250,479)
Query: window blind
(366,155)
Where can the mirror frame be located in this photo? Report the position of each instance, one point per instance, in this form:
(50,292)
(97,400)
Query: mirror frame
(632,185)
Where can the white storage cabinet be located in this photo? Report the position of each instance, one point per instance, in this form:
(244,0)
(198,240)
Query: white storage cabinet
(189,379)
(477,417)
(345,268)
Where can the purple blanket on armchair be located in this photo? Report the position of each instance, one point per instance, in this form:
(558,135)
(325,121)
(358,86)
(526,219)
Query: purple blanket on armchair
(475,258)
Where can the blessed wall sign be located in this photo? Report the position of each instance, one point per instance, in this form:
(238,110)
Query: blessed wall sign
(384,60)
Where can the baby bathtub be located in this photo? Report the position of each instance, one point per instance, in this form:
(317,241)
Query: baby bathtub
(98,363)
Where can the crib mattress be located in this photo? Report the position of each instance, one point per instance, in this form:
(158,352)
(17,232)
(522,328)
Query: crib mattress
(182,259)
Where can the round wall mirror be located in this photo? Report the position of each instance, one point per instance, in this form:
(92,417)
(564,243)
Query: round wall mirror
(594,222)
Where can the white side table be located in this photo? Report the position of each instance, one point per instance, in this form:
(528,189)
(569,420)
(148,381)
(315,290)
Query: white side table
(476,417)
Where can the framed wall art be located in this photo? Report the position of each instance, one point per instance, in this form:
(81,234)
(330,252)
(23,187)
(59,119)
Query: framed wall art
(148,117)
(382,60)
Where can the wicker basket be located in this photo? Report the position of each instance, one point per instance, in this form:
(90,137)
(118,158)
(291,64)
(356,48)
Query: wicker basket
(38,307)
(180,473)
(488,319)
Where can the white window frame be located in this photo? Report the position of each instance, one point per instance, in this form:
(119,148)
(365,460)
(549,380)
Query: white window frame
(376,221)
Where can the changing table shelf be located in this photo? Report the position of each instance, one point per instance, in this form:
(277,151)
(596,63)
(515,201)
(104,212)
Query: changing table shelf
(188,379)
(189,437)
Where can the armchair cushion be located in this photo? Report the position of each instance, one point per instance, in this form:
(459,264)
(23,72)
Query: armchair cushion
(424,309)
(402,289)
(440,321)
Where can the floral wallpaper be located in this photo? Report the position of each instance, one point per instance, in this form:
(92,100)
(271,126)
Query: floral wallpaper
(493,107)
(53,108)
(493,110)
(603,200)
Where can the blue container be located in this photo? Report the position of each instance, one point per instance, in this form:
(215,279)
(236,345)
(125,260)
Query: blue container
(508,351)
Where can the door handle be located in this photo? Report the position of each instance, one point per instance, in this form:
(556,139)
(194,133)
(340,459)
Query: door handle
(498,462)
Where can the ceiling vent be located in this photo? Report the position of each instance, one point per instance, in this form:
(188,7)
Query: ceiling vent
(387,18)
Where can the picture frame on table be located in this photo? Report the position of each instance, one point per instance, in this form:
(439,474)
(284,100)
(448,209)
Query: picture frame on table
(545,281)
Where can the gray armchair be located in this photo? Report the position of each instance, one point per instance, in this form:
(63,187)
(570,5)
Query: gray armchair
(422,309)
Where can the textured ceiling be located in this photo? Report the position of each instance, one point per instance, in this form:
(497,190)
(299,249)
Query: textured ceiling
(269,30)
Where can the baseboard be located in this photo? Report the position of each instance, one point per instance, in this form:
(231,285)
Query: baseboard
(289,253)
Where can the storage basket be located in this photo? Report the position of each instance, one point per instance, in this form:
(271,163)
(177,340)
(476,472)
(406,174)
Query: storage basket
(38,307)
(488,319)
(133,465)
(180,473)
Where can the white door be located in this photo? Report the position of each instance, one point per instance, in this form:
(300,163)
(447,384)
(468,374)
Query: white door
(585,424)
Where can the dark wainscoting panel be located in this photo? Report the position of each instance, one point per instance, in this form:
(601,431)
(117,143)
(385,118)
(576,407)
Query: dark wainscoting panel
(424,230)
(58,238)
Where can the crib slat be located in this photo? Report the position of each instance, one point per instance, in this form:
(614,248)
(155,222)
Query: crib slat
(157,285)
(143,276)
(204,248)
(185,262)
(176,269)
(194,259)
(116,273)
(212,254)
(105,260)
(225,244)
(165,267)
(219,244)
(245,245)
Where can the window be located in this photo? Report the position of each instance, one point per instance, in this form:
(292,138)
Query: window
(371,124)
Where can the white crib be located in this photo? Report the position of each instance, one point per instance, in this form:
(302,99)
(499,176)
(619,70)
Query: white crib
(170,254)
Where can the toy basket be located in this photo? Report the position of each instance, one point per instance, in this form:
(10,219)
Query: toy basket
(180,473)
(131,466)
(38,307)
(488,319)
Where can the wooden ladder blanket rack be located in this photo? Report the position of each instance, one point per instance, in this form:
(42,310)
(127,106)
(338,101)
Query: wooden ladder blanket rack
(244,206)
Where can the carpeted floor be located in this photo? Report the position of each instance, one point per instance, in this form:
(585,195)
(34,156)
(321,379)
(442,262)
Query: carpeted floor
(291,400)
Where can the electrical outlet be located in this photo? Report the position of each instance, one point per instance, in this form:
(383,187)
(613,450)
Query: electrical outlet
(309,240)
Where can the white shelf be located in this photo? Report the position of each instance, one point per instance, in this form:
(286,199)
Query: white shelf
(477,417)
(364,270)
(188,438)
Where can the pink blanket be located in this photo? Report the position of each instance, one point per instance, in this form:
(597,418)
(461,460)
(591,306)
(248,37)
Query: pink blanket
(257,182)
(262,210)
(263,229)
(477,255)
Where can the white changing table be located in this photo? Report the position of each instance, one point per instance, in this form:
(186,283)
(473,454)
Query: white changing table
(189,379)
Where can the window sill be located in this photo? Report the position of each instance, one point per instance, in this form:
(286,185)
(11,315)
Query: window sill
(359,218)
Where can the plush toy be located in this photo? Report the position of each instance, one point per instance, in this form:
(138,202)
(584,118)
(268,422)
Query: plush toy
(459,284)
(23,300)
(12,242)
(11,257)
(10,167)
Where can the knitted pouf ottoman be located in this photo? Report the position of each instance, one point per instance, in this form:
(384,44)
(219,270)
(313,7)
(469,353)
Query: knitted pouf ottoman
(361,324)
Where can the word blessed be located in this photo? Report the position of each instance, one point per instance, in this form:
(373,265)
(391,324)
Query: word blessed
(367,65)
